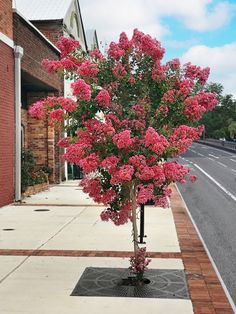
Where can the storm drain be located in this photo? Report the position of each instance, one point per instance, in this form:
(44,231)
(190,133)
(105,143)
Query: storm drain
(42,210)
(107,282)
(8,229)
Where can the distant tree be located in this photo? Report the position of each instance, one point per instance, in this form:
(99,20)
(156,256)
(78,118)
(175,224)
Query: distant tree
(218,120)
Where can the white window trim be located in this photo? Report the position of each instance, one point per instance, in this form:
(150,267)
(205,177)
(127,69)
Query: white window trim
(8,41)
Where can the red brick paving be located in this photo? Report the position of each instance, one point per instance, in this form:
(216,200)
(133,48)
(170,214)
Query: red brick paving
(205,289)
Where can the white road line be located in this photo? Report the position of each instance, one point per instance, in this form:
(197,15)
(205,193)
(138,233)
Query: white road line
(216,182)
(222,164)
(213,156)
(201,155)
(233,160)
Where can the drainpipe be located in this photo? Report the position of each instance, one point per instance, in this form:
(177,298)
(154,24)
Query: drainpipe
(18,52)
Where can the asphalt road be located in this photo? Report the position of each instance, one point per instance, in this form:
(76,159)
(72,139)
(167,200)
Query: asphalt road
(212,203)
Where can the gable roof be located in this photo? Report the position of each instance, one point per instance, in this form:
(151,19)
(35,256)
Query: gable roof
(42,9)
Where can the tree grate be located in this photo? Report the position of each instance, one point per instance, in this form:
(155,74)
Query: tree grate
(107,282)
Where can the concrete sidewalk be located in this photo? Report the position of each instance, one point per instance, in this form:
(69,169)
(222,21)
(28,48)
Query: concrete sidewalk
(47,242)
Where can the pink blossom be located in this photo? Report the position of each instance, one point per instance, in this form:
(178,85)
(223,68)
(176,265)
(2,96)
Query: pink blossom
(193,110)
(174,171)
(37,110)
(155,142)
(173,64)
(64,142)
(81,90)
(110,163)
(158,71)
(124,173)
(123,139)
(195,72)
(96,54)
(119,71)
(139,262)
(67,45)
(74,153)
(139,110)
(103,98)
(168,97)
(145,193)
(89,163)
(115,51)
(88,69)
(162,111)
(192,178)
(183,136)
(124,42)
(117,217)
(57,115)
(207,100)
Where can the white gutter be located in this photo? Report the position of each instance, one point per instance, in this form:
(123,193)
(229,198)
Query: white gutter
(18,52)
(36,29)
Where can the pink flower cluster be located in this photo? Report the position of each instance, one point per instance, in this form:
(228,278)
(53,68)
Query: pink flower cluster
(196,105)
(124,42)
(124,173)
(110,163)
(64,142)
(57,115)
(88,69)
(119,71)
(37,110)
(195,72)
(81,90)
(123,139)
(183,136)
(96,54)
(148,45)
(139,263)
(103,98)
(115,51)
(175,172)
(155,142)
(118,217)
(89,163)
(59,65)
(56,106)
(94,188)
(67,45)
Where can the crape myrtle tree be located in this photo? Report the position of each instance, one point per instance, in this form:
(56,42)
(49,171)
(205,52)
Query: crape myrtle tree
(131,115)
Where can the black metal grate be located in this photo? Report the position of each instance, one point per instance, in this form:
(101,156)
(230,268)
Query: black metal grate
(107,282)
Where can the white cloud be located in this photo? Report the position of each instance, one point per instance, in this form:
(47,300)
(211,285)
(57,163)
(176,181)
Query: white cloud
(221,61)
(111,17)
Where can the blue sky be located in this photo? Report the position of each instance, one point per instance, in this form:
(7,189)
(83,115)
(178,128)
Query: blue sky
(200,31)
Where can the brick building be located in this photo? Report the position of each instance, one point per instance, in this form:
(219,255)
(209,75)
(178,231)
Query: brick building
(29,30)
(55,19)
(36,84)
(7,94)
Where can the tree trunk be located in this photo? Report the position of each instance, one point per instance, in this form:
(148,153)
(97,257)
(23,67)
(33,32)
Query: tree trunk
(134,217)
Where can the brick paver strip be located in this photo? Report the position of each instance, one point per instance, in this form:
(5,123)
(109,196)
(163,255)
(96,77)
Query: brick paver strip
(205,288)
(78,253)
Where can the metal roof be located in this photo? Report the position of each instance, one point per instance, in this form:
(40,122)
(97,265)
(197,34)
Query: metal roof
(42,9)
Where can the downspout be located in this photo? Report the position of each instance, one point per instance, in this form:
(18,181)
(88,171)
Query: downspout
(18,53)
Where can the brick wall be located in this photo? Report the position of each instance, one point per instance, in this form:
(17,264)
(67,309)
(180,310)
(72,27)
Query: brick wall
(53,30)
(6,18)
(35,50)
(42,139)
(6,124)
